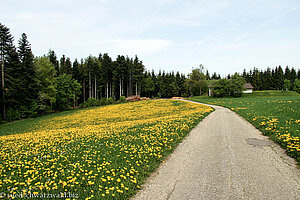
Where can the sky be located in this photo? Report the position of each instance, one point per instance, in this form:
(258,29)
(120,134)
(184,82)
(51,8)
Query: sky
(225,36)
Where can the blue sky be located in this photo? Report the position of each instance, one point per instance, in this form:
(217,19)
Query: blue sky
(224,35)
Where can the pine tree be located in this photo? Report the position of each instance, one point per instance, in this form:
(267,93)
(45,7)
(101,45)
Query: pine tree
(138,70)
(267,79)
(65,65)
(106,74)
(207,75)
(29,77)
(53,59)
(69,69)
(293,77)
(10,72)
(298,74)
(280,78)
(287,73)
(75,71)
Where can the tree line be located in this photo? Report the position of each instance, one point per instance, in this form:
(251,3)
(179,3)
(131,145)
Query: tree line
(36,85)
(273,79)
(32,86)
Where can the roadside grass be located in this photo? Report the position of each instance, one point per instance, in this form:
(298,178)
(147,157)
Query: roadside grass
(98,153)
(275,113)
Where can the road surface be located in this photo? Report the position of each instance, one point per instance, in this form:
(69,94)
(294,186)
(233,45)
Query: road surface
(224,157)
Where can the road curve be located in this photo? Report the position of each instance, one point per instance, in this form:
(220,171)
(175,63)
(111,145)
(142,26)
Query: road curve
(224,157)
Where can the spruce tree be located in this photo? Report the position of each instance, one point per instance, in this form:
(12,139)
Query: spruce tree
(287,73)
(29,78)
(293,77)
(53,59)
(65,65)
(10,73)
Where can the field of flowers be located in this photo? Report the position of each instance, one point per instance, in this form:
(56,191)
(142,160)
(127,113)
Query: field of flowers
(97,153)
(276,114)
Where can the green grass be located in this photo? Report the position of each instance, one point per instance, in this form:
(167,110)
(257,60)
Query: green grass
(98,153)
(31,124)
(275,113)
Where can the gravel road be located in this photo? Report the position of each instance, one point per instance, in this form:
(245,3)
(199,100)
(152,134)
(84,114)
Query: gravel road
(224,157)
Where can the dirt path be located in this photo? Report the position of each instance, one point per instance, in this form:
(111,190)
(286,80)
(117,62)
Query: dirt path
(225,157)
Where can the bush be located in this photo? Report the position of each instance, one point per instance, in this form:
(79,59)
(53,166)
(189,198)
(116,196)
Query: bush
(103,101)
(297,85)
(110,100)
(91,102)
(221,88)
(13,114)
(122,99)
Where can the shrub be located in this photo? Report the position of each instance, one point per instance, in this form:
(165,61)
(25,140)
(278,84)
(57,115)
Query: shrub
(103,101)
(122,99)
(13,114)
(91,102)
(110,100)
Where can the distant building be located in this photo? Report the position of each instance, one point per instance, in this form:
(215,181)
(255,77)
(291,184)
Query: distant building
(248,88)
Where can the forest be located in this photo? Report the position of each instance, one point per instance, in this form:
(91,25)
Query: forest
(35,85)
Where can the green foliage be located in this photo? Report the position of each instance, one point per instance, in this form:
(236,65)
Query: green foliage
(46,83)
(122,99)
(196,84)
(29,76)
(149,87)
(13,114)
(91,102)
(67,93)
(110,100)
(229,87)
(286,84)
(297,85)
(236,83)
(270,79)
(103,101)
(65,65)
(28,80)
(221,88)
(53,59)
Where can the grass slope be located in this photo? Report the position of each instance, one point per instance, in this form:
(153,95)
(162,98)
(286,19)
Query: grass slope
(97,153)
(275,113)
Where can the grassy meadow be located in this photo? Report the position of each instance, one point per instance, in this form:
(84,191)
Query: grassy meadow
(98,153)
(275,113)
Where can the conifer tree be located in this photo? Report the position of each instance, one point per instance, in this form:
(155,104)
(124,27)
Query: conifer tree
(53,59)
(29,77)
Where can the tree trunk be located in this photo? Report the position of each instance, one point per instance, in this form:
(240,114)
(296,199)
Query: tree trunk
(95,88)
(127,92)
(123,89)
(90,85)
(130,84)
(111,92)
(140,90)
(107,90)
(74,101)
(120,87)
(3,98)
(136,89)
(83,90)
